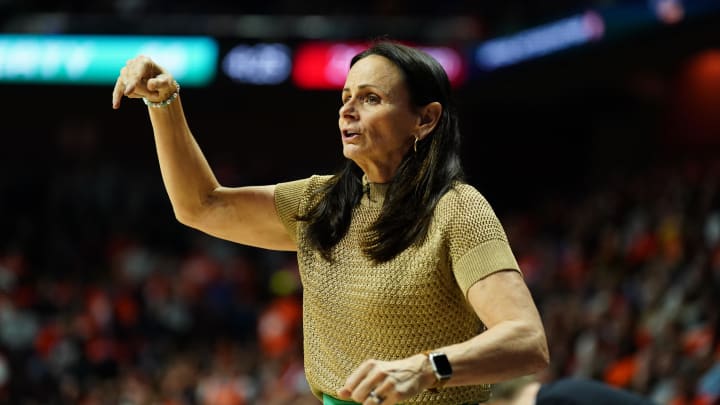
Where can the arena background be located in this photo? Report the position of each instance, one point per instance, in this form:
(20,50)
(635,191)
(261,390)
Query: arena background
(600,157)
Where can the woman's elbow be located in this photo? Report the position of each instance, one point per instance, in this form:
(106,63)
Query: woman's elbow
(190,218)
(540,351)
(535,353)
(192,212)
(183,218)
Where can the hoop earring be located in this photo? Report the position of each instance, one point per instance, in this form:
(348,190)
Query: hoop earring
(415,144)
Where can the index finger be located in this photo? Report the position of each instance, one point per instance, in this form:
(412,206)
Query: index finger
(355,379)
(118,92)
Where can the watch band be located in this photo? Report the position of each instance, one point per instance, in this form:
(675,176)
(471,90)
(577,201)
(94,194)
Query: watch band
(440,379)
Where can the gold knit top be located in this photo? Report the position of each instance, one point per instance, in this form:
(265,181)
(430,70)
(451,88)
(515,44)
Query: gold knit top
(354,310)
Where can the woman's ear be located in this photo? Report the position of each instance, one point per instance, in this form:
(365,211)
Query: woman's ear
(429,116)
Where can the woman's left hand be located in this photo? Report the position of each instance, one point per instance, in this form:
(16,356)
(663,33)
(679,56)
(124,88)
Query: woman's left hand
(388,382)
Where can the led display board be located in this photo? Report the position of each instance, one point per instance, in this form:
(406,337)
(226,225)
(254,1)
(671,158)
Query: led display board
(97,59)
(324,65)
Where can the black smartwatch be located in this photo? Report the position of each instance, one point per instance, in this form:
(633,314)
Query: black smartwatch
(441,367)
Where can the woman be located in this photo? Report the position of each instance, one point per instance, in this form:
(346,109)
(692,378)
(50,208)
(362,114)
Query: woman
(410,290)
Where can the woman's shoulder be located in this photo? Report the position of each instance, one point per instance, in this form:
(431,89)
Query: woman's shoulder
(465,214)
(300,191)
(320,179)
(463,204)
(462,196)
(306,184)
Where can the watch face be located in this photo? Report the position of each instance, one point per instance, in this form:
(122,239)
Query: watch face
(441,364)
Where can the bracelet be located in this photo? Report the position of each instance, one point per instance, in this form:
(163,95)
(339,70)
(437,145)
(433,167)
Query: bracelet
(165,102)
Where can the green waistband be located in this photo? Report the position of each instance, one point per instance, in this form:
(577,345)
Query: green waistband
(328,400)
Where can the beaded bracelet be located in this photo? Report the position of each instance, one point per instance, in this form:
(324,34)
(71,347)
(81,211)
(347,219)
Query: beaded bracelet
(165,102)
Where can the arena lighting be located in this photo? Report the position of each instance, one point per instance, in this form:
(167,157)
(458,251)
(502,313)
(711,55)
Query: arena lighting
(258,64)
(540,41)
(324,65)
(696,99)
(97,59)
(450,60)
(668,11)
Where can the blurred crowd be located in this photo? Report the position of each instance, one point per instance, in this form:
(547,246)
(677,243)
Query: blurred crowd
(105,298)
(627,277)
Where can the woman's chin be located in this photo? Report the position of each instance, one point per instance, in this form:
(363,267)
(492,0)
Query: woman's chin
(351,151)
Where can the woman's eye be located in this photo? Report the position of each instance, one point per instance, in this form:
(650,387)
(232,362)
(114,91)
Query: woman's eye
(372,99)
(369,99)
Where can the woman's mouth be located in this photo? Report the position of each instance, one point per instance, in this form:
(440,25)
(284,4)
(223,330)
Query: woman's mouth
(348,134)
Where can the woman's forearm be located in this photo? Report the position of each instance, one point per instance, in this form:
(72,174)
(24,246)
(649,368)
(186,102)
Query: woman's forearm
(508,350)
(187,176)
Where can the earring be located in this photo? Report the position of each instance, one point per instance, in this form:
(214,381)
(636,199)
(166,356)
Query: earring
(415,145)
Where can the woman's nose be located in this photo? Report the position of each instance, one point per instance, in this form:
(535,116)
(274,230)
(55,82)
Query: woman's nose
(348,109)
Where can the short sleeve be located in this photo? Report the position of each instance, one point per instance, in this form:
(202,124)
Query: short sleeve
(293,199)
(288,197)
(477,241)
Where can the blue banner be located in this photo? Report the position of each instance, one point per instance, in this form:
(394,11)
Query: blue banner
(97,59)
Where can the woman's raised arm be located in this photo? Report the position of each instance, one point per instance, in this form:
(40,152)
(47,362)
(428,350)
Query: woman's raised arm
(245,215)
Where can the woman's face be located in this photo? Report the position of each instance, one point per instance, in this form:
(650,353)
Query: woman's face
(377,119)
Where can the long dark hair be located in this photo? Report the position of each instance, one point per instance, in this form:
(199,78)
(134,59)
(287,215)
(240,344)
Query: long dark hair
(422,178)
